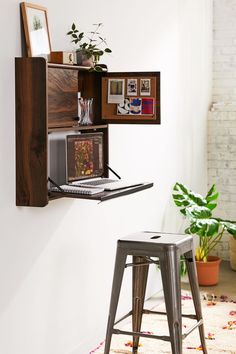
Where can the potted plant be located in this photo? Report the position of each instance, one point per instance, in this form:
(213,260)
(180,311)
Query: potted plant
(210,229)
(91,49)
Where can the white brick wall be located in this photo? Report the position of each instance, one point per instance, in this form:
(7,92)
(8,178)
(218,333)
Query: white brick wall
(224,57)
(222,118)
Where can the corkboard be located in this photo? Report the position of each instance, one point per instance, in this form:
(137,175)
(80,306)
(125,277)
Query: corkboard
(109,110)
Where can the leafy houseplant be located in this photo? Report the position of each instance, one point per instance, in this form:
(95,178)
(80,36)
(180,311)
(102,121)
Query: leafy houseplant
(198,210)
(90,47)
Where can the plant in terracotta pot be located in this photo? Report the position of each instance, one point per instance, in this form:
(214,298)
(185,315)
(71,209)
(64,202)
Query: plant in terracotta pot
(210,229)
(90,47)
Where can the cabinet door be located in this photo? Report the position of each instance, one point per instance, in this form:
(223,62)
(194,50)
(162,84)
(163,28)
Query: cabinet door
(132,98)
(31,132)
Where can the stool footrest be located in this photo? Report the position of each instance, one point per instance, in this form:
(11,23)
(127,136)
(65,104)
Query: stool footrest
(140,334)
(124,317)
(146,312)
(164,338)
(199,323)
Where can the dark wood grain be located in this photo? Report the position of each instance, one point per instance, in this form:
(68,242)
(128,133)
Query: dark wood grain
(31,132)
(62,96)
(90,87)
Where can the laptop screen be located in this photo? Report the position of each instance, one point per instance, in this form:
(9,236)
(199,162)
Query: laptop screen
(84,154)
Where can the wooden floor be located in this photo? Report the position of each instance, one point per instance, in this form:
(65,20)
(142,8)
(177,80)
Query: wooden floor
(226,285)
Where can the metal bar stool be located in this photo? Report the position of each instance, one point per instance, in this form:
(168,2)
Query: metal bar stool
(167,248)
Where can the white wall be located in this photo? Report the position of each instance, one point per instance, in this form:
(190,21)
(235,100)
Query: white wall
(56,263)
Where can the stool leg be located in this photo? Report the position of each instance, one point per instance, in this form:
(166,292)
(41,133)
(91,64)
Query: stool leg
(116,287)
(140,274)
(170,273)
(192,275)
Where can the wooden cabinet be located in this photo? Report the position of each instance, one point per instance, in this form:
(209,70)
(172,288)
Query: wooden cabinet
(46,105)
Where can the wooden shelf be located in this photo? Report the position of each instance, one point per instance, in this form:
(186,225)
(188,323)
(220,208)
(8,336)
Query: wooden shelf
(67,66)
(47,103)
(78,127)
(102,197)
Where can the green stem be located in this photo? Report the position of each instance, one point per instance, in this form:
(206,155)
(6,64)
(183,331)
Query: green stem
(216,240)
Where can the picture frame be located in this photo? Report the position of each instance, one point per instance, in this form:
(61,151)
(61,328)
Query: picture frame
(36,30)
(145,87)
(116,90)
(132,87)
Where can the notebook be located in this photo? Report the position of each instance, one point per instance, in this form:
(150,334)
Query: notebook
(85,163)
(76,190)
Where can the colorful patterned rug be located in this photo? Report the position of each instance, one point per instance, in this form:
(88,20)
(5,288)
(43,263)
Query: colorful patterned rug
(220,328)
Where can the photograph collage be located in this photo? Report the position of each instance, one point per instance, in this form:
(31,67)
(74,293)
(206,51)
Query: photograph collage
(133,96)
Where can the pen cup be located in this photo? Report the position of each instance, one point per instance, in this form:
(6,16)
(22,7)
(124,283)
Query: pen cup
(85,111)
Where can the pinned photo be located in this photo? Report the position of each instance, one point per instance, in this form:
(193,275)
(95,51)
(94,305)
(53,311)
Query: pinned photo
(124,108)
(116,90)
(145,87)
(132,87)
(147,106)
(135,106)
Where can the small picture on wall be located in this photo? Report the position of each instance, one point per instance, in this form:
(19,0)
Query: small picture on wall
(124,107)
(135,106)
(145,87)
(147,106)
(116,90)
(132,87)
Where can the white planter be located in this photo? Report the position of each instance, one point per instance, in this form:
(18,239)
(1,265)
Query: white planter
(232,252)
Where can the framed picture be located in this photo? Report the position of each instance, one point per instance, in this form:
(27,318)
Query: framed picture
(145,87)
(35,23)
(124,107)
(116,90)
(132,87)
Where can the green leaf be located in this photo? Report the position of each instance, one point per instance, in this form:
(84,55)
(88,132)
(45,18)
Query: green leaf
(211,191)
(183,211)
(230,227)
(73,27)
(107,50)
(196,212)
(192,229)
(178,203)
(213,197)
(69,33)
(184,197)
(213,228)
(98,68)
(74,35)
(179,197)
(207,227)
(211,206)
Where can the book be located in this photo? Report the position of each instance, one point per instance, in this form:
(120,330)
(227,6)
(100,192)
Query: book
(65,188)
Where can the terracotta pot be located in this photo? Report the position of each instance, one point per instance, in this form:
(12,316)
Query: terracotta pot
(232,252)
(208,272)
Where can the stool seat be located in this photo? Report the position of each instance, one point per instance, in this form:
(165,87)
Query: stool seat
(168,248)
(157,240)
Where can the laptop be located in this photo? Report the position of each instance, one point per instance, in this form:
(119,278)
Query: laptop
(85,163)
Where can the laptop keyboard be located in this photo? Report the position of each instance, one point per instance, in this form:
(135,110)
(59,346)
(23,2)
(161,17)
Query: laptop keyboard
(99,182)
